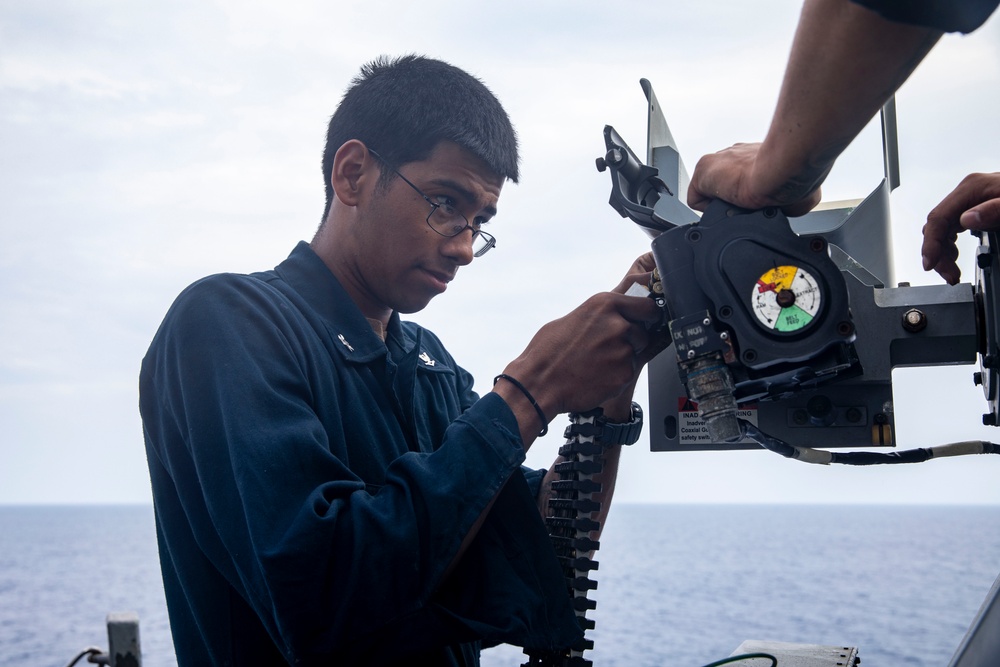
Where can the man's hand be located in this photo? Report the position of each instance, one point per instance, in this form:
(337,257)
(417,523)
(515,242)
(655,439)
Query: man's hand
(586,358)
(640,272)
(740,175)
(619,408)
(975,205)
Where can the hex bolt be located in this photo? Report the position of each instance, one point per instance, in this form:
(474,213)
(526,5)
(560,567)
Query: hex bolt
(914,320)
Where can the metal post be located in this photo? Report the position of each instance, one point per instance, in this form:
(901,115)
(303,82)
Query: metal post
(123,639)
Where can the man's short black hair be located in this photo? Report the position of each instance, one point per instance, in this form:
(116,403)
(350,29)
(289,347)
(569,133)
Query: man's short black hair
(403,107)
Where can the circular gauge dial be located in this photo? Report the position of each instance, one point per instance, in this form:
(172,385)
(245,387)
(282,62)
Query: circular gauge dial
(786,299)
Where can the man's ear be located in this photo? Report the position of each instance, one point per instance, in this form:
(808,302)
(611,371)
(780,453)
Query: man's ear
(354,168)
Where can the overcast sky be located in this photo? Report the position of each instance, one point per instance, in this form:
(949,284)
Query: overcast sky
(144,145)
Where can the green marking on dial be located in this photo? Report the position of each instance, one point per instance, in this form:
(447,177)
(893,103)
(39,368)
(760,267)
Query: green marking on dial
(792,319)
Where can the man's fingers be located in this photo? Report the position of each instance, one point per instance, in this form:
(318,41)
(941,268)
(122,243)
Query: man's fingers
(640,272)
(805,205)
(984,216)
(975,205)
(637,309)
(644,263)
(631,279)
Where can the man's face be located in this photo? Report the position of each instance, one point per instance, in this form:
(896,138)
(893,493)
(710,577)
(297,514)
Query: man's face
(402,263)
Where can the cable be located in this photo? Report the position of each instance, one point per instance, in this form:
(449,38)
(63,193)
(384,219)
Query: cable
(745,656)
(94,656)
(823,457)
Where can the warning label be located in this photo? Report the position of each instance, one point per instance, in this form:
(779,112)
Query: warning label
(692,429)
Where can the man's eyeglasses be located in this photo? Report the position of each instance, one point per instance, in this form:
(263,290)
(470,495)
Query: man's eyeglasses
(445,219)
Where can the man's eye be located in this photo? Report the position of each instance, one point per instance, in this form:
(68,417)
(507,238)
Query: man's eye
(446,204)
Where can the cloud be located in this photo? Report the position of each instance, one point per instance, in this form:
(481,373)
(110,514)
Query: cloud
(148,144)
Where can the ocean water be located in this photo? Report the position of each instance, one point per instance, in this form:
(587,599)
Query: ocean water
(679,585)
(63,569)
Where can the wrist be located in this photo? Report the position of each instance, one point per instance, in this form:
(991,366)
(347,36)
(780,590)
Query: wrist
(539,382)
(522,395)
(594,425)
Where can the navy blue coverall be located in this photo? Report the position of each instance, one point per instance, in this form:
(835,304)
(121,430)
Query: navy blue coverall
(312,484)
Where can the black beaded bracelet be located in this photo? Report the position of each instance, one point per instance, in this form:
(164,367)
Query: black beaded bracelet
(531,399)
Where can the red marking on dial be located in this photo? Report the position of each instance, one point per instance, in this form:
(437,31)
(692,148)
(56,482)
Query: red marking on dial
(765,287)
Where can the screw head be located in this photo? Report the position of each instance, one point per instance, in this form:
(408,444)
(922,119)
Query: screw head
(914,320)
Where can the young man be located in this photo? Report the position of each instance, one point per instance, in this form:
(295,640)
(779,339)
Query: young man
(328,488)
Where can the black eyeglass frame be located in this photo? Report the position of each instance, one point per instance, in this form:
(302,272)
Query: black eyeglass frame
(488,239)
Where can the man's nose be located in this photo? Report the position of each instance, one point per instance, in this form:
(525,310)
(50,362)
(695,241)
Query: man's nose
(459,247)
